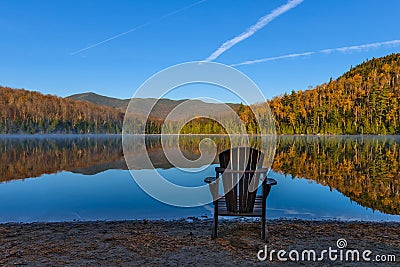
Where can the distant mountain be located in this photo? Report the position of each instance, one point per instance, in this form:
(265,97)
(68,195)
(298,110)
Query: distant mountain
(101,100)
(162,108)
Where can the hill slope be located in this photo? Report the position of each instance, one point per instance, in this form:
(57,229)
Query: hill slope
(365,100)
(101,100)
(23,111)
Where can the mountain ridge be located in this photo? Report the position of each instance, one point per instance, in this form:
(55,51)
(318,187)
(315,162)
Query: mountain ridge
(161,108)
(101,100)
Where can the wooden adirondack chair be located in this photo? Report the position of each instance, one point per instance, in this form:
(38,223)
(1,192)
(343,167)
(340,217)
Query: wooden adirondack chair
(240,171)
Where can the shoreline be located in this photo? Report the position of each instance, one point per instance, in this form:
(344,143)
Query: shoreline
(120,134)
(203,218)
(184,242)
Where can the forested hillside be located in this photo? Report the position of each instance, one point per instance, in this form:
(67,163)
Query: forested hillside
(364,100)
(23,111)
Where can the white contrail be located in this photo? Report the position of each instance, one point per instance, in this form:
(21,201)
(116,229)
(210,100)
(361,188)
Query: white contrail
(362,47)
(272,58)
(346,49)
(261,23)
(136,28)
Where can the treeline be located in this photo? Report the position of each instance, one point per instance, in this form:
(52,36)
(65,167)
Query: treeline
(23,111)
(29,112)
(364,100)
(257,119)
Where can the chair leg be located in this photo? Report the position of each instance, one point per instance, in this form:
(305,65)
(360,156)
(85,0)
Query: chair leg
(264,207)
(264,231)
(214,233)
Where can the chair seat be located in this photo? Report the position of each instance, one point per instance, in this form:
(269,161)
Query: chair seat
(255,213)
(257,210)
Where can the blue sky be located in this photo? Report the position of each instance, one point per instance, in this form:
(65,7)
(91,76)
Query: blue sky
(38,39)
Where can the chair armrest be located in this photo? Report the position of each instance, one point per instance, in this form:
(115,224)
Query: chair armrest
(219,169)
(270,181)
(210,180)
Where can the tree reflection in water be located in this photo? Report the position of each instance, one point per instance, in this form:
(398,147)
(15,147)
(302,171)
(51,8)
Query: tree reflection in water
(364,169)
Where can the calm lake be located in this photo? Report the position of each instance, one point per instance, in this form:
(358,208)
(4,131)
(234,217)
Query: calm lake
(66,178)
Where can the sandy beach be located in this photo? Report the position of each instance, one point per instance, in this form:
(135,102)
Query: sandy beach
(187,242)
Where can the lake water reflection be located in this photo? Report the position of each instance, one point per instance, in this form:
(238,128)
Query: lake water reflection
(64,178)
